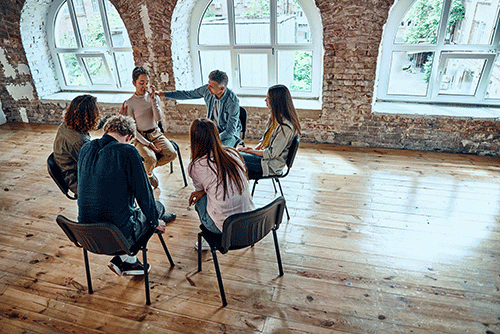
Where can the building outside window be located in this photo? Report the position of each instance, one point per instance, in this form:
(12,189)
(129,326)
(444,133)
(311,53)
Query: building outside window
(90,45)
(442,52)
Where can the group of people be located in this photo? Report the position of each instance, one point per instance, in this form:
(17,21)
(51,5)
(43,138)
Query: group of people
(114,181)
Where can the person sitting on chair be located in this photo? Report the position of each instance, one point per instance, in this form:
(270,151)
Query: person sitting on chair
(219,177)
(223,106)
(269,156)
(81,116)
(144,107)
(111,179)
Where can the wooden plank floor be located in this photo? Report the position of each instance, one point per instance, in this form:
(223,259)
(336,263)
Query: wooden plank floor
(379,241)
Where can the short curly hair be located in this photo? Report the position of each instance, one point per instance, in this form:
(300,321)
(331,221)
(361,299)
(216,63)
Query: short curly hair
(123,125)
(82,113)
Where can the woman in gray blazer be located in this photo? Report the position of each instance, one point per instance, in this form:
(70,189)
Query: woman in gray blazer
(269,156)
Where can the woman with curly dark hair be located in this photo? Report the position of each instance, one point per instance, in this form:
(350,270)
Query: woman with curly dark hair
(81,116)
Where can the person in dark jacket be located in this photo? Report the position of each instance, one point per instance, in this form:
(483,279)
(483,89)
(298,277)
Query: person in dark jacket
(111,179)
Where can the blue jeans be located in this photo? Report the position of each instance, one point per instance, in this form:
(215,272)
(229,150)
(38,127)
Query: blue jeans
(253,162)
(206,220)
(231,142)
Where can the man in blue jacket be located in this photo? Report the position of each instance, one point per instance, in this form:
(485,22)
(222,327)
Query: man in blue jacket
(223,106)
(111,178)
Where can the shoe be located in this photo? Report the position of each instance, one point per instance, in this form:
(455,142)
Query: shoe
(169,217)
(134,269)
(204,245)
(116,265)
(153,180)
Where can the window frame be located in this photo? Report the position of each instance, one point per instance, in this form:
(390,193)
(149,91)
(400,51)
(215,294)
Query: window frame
(440,49)
(316,47)
(107,53)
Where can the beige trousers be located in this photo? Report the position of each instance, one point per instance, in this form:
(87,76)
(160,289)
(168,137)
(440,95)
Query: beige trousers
(151,158)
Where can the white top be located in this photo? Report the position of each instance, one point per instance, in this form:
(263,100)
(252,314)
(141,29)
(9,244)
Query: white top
(146,112)
(204,178)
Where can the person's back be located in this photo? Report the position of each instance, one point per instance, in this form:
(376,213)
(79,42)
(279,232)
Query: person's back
(81,116)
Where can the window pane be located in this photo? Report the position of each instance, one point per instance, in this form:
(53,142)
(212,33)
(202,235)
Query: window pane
(214,29)
(249,76)
(420,23)
(63,31)
(293,26)
(215,60)
(493,91)
(125,64)
(461,76)
(91,29)
(471,24)
(73,74)
(97,70)
(119,35)
(295,69)
(410,73)
(252,23)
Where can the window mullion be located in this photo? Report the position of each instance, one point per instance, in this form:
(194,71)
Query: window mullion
(113,69)
(74,23)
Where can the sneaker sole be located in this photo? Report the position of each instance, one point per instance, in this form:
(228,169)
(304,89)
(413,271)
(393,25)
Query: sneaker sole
(135,272)
(114,269)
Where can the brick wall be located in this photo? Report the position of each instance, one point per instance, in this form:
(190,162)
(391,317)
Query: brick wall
(352,31)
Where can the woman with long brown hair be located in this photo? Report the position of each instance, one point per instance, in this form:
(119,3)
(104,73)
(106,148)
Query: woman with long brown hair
(269,156)
(81,116)
(219,177)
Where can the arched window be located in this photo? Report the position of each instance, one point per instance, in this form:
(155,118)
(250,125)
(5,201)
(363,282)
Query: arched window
(90,46)
(441,51)
(259,43)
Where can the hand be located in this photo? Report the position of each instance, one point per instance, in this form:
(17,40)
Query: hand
(161,226)
(245,149)
(154,148)
(123,110)
(152,92)
(195,196)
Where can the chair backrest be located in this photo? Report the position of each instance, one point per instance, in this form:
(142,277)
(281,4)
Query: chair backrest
(57,175)
(245,229)
(292,152)
(98,238)
(243,120)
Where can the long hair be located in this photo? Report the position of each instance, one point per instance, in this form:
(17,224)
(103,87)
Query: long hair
(205,141)
(280,101)
(82,114)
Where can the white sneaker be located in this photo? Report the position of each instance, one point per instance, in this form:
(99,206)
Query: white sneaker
(204,245)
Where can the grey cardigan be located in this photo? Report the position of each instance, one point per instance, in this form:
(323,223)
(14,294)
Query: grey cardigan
(274,156)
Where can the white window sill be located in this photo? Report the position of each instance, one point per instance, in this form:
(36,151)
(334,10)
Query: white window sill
(118,98)
(401,108)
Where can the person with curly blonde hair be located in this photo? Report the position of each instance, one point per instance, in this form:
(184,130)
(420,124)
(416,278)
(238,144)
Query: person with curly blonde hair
(81,117)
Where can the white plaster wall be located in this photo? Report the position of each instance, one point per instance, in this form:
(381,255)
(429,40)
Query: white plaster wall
(2,115)
(33,26)
(181,54)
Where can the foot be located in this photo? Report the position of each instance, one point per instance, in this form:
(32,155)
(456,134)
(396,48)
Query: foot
(116,265)
(134,269)
(169,217)
(204,245)
(153,180)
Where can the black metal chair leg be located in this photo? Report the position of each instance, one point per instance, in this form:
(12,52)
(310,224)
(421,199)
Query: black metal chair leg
(176,147)
(278,255)
(274,185)
(281,191)
(199,252)
(165,249)
(254,184)
(219,278)
(146,275)
(87,270)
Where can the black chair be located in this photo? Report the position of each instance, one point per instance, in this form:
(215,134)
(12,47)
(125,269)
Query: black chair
(243,121)
(105,238)
(292,152)
(176,147)
(243,230)
(57,175)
